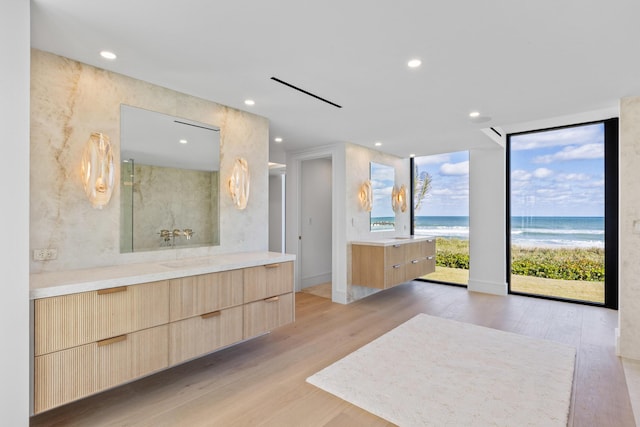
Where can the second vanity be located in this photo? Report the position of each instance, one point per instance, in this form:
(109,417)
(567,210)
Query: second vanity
(383,263)
(98,328)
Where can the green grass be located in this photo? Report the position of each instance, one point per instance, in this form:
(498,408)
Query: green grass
(576,274)
(584,264)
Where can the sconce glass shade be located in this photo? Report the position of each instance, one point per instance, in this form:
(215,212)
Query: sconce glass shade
(399,198)
(366,196)
(239,183)
(98,170)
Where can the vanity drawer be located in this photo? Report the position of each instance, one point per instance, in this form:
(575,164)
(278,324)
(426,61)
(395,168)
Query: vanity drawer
(395,275)
(420,267)
(394,255)
(195,295)
(265,315)
(202,334)
(421,249)
(267,280)
(72,320)
(67,375)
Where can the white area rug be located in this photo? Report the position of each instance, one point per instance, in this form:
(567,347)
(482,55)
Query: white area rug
(431,371)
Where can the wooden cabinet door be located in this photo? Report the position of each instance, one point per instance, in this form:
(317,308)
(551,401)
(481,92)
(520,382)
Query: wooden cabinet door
(267,280)
(70,374)
(368,266)
(196,295)
(203,334)
(265,315)
(76,319)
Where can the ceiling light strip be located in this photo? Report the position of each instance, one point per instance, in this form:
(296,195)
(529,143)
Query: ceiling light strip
(305,92)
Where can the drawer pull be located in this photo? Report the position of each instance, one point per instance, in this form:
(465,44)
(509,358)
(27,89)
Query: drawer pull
(397,266)
(112,290)
(430,241)
(272,265)
(112,340)
(415,261)
(211,314)
(272,299)
(396,245)
(430,257)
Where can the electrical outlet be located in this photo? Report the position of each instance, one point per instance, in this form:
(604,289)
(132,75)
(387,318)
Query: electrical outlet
(45,254)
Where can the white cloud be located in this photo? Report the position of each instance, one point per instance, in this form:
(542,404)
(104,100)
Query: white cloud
(432,160)
(461,168)
(573,177)
(520,175)
(572,152)
(578,135)
(542,173)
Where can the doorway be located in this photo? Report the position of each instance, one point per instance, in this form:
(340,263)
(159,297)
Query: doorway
(316,226)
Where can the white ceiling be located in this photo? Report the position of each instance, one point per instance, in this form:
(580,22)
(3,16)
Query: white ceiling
(514,61)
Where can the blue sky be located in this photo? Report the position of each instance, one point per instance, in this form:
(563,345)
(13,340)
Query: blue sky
(558,172)
(449,194)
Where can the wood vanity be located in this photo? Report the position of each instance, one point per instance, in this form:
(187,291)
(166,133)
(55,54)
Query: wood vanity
(384,263)
(99,328)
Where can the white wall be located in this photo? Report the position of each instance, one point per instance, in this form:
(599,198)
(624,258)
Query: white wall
(315,255)
(350,168)
(629,238)
(487,221)
(14,215)
(275,213)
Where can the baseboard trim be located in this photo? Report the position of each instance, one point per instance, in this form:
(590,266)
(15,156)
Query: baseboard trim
(315,280)
(494,288)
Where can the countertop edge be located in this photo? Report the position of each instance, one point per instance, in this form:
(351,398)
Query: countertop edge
(390,241)
(45,285)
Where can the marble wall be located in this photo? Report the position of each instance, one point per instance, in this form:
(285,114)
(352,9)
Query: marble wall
(629,221)
(69,101)
(165,198)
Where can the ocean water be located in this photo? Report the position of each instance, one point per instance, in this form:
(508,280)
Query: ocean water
(559,232)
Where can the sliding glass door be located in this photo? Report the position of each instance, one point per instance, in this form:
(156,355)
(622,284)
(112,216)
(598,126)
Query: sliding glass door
(562,212)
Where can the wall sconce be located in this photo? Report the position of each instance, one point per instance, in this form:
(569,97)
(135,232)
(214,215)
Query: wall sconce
(399,198)
(98,170)
(366,196)
(239,183)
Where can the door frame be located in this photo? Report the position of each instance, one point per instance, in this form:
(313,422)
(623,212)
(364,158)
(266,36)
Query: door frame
(338,222)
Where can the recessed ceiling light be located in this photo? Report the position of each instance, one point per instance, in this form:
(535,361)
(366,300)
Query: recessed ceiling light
(378,144)
(474,114)
(412,155)
(277,139)
(108,55)
(249,102)
(414,63)
(183,141)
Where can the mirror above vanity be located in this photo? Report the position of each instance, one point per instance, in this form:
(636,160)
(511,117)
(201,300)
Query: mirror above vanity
(382,216)
(169,181)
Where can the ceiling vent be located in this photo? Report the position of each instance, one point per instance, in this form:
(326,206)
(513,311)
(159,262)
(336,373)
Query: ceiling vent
(305,92)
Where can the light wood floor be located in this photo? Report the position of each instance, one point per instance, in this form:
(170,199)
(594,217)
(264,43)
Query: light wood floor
(262,382)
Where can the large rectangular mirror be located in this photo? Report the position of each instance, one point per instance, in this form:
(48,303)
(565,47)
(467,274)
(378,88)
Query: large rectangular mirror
(169,181)
(382,217)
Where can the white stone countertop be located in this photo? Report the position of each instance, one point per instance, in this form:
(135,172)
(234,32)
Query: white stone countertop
(390,241)
(44,285)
